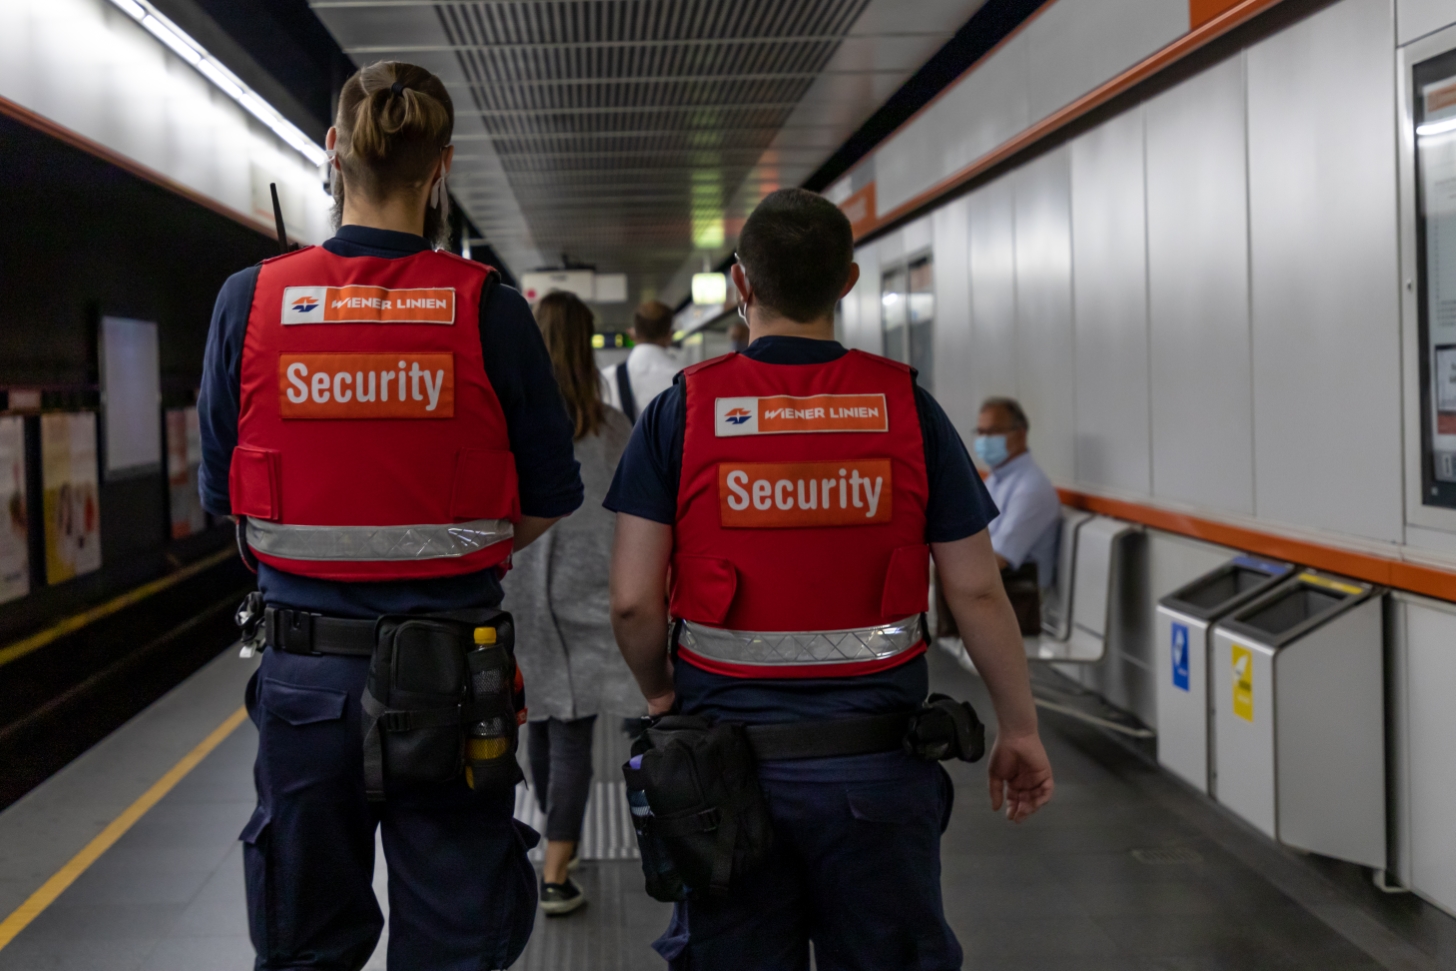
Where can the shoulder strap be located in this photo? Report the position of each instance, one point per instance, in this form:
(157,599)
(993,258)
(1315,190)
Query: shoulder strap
(624,393)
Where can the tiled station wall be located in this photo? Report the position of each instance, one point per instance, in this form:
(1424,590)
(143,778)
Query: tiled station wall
(1198,302)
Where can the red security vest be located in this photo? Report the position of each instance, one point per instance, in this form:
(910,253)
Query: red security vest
(801,505)
(371,445)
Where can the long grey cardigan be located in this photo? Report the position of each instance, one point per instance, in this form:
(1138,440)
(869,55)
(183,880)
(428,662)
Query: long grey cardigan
(557,592)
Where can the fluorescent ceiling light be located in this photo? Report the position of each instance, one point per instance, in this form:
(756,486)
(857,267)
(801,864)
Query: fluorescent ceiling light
(224,80)
(709,289)
(1437,127)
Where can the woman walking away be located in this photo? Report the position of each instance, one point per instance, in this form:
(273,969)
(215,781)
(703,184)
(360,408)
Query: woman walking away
(558,594)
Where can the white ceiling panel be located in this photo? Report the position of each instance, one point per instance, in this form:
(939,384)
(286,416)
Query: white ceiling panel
(635,135)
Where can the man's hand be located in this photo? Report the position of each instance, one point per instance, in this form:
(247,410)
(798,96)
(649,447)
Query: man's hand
(1020,776)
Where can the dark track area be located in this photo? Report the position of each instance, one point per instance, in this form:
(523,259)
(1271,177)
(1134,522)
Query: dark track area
(60,700)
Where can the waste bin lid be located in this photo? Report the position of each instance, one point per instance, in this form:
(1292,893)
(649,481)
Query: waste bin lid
(1307,600)
(1221,590)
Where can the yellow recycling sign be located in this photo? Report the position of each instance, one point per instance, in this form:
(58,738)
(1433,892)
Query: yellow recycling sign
(1243,660)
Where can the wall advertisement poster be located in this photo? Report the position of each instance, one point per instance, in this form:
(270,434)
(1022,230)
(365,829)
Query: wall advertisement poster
(184,458)
(72,500)
(14,548)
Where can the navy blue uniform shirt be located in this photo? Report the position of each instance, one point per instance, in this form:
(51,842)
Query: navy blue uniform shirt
(958,506)
(519,370)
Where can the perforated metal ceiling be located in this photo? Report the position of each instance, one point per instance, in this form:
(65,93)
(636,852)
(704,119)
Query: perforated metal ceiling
(634,135)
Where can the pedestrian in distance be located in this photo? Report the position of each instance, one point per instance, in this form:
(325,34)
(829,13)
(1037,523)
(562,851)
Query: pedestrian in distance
(557,592)
(777,512)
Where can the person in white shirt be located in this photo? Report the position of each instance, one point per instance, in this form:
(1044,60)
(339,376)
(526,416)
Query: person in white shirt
(649,368)
(1029,526)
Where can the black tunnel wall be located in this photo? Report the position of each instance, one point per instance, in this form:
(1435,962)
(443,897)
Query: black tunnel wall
(81,238)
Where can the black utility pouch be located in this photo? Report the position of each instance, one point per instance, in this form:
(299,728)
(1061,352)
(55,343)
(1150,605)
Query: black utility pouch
(417,699)
(707,811)
(945,729)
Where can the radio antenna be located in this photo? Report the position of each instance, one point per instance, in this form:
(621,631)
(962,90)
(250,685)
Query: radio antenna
(278,219)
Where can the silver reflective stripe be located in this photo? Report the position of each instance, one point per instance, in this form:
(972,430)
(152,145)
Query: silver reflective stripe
(376,542)
(801,647)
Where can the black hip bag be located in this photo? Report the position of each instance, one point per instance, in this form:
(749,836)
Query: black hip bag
(444,695)
(698,810)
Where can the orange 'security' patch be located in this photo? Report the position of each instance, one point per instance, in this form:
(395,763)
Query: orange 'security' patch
(398,385)
(367,305)
(778,495)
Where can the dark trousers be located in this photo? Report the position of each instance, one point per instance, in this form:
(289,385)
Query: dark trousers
(462,894)
(855,868)
(560,753)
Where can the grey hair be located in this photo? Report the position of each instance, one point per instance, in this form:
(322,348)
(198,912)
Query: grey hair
(1013,408)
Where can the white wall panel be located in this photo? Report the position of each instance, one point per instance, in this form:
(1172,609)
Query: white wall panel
(92,69)
(1075,45)
(862,324)
(1110,287)
(953,351)
(1202,425)
(1416,18)
(991,213)
(979,112)
(1044,338)
(1325,297)
(1429,655)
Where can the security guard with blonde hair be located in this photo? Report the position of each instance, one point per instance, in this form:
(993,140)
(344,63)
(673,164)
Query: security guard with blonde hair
(383,419)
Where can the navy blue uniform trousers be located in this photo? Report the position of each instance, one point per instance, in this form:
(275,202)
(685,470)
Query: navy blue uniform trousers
(462,894)
(855,868)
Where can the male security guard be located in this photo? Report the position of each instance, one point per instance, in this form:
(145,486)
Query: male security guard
(384,418)
(800,489)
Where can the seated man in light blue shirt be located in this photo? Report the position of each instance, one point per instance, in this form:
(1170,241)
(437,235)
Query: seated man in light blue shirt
(1029,526)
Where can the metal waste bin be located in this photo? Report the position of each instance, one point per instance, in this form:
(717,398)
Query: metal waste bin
(1299,729)
(1184,618)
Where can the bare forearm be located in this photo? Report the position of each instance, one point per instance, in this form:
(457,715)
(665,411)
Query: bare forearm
(641,633)
(993,639)
(640,554)
(532,528)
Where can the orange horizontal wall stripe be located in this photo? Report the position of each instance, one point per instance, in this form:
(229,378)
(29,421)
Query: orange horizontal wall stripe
(1235,15)
(76,140)
(1201,12)
(1412,577)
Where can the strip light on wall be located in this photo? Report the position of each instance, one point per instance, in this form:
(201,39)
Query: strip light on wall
(226,81)
(1437,127)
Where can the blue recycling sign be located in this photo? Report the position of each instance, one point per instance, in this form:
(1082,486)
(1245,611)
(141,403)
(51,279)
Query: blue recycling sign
(1180,656)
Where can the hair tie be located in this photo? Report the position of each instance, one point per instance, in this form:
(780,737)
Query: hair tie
(397,87)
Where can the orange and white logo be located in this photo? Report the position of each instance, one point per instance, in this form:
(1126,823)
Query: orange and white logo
(367,305)
(782,414)
(778,495)
(395,385)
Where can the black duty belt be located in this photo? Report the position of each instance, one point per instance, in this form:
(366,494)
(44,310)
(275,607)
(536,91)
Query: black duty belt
(829,739)
(301,632)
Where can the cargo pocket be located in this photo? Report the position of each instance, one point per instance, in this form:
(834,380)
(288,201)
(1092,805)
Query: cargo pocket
(299,705)
(255,874)
(484,486)
(907,583)
(896,802)
(703,588)
(253,482)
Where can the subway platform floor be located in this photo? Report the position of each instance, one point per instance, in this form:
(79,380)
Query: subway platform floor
(1127,869)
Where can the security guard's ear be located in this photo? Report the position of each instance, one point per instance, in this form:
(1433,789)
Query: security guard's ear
(850,281)
(740,280)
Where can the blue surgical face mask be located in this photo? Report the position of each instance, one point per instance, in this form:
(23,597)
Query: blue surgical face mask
(990,449)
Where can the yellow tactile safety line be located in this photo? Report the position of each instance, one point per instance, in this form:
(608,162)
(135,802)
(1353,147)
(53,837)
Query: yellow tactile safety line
(66,875)
(24,646)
